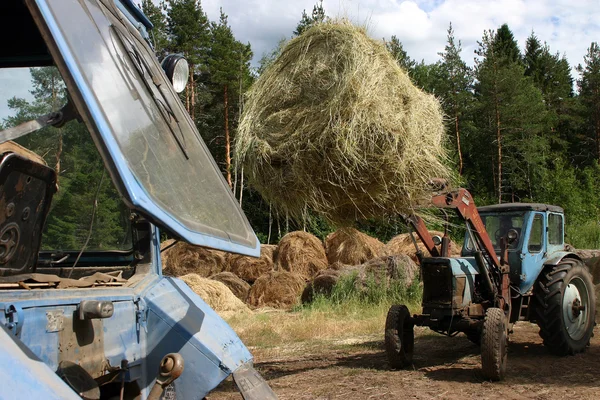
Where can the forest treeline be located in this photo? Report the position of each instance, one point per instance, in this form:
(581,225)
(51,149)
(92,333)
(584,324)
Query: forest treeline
(520,126)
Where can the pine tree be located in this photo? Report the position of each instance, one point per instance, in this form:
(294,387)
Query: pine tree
(505,45)
(189,33)
(395,47)
(318,15)
(159,33)
(589,92)
(229,65)
(511,114)
(456,90)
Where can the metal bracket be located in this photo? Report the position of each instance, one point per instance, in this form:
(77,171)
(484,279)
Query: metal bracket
(141,314)
(14,318)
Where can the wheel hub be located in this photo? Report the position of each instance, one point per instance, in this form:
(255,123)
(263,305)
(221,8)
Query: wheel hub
(574,307)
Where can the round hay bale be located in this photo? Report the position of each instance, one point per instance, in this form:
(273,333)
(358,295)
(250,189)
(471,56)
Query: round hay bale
(321,284)
(334,124)
(250,268)
(350,246)
(216,295)
(268,250)
(165,254)
(593,265)
(301,253)
(402,244)
(279,289)
(396,267)
(183,258)
(238,287)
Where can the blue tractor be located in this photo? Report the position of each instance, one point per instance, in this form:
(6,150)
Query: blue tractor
(82,315)
(513,267)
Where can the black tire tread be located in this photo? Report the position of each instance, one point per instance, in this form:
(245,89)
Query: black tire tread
(548,303)
(399,337)
(493,350)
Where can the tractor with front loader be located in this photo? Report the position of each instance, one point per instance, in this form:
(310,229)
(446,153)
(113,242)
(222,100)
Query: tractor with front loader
(513,267)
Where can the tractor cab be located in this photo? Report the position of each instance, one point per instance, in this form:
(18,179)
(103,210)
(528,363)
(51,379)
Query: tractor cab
(534,234)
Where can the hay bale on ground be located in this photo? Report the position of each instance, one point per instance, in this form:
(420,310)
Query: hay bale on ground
(350,246)
(301,253)
(183,258)
(250,268)
(268,250)
(383,270)
(593,265)
(402,244)
(238,287)
(216,295)
(279,289)
(164,255)
(336,125)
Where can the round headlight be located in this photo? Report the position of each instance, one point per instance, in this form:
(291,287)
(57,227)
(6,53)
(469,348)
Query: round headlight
(177,70)
(512,235)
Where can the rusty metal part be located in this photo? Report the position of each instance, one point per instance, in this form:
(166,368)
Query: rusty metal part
(251,384)
(171,368)
(82,342)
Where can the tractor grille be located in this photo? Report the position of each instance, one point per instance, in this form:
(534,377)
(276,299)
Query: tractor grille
(437,282)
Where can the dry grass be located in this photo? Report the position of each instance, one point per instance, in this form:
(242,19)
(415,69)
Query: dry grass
(350,246)
(273,332)
(334,124)
(238,287)
(250,268)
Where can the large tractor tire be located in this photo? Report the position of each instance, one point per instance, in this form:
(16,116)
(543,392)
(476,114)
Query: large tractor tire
(399,337)
(566,307)
(494,344)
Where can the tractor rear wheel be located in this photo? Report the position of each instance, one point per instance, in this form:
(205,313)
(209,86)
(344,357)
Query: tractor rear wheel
(566,307)
(494,344)
(399,337)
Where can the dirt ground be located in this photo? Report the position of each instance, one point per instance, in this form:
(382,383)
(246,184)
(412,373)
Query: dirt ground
(444,368)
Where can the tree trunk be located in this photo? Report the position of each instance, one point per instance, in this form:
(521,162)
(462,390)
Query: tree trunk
(227,140)
(193,97)
(270,224)
(460,159)
(241,185)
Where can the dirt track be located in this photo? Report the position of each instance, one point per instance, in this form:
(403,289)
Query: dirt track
(444,368)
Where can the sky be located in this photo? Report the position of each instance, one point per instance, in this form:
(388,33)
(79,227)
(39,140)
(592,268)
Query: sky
(568,26)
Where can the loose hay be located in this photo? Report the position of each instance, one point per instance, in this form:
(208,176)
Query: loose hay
(250,268)
(268,250)
(350,246)
(216,295)
(402,244)
(301,253)
(183,258)
(238,287)
(334,124)
(279,289)
(383,270)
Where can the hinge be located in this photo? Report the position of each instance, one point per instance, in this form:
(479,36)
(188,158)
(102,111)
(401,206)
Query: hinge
(141,314)
(14,318)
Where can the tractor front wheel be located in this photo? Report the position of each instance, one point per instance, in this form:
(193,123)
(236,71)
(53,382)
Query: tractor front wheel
(566,307)
(494,344)
(399,337)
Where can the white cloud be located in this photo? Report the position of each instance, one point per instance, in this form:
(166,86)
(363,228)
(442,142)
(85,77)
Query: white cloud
(568,26)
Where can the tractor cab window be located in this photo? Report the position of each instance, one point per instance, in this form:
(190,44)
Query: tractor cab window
(537,234)
(555,229)
(498,225)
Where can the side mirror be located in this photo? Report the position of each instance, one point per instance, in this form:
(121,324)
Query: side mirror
(512,235)
(177,70)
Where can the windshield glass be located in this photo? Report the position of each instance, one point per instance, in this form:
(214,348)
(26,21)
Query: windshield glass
(160,157)
(85,188)
(497,226)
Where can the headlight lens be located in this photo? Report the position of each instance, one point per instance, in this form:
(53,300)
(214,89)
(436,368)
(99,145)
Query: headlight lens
(177,70)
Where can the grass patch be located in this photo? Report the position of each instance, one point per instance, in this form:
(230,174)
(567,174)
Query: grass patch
(332,321)
(585,235)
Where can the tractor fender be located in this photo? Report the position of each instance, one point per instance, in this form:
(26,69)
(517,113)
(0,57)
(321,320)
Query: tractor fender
(558,256)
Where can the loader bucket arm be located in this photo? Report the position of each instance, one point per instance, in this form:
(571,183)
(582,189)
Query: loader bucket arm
(462,202)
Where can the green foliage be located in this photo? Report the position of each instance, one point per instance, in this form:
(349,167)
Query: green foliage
(318,15)
(397,51)
(348,292)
